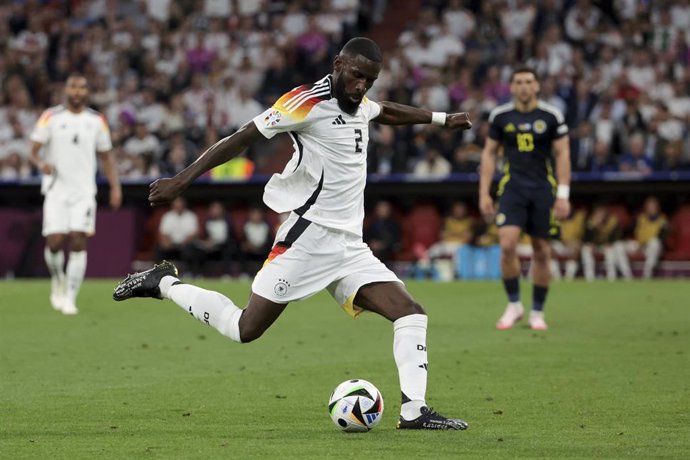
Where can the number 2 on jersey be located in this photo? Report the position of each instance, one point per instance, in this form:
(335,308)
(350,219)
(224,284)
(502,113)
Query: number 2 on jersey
(525,142)
(358,139)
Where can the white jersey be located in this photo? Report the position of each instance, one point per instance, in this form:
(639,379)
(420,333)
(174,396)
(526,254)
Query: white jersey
(71,141)
(325,179)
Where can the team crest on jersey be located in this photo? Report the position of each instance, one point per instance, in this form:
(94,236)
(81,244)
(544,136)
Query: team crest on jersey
(539,126)
(272,118)
(510,128)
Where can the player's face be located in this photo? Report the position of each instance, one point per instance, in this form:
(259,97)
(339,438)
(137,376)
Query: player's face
(524,87)
(76,90)
(353,77)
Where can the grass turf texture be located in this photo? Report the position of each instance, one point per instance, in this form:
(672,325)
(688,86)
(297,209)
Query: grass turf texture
(141,379)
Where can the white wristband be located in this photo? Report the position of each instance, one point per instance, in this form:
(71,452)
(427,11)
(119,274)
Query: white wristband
(563,191)
(438,118)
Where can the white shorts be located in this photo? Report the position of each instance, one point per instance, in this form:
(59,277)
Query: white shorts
(307,258)
(65,213)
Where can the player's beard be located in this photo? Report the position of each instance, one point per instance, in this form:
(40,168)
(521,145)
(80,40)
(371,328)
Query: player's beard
(76,102)
(344,102)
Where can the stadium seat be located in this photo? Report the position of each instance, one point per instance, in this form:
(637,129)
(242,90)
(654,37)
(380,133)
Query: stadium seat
(679,236)
(421,229)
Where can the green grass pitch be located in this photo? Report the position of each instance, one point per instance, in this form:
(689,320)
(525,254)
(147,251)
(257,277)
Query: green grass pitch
(141,379)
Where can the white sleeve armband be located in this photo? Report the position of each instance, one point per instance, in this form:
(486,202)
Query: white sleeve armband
(438,118)
(563,191)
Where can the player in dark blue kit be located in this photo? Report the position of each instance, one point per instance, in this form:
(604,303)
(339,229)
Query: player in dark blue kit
(534,136)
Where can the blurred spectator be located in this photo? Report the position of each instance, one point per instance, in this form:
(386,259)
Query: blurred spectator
(602,160)
(217,243)
(582,146)
(143,143)
(581,20)
(256,241)
(383,234)
(456,232)
(432,166)
(384,157)
(635,161)
(601,231)
(651,229)
(671,160)
(568,247)
(466,159)
(178,228)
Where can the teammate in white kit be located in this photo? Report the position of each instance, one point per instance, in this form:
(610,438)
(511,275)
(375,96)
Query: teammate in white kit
(320,245)
(71,136)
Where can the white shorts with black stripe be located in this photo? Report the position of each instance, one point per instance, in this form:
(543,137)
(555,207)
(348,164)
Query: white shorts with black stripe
(65,212)
(308,257)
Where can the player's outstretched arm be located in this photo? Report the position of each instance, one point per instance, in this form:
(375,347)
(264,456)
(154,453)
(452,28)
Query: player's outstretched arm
(163,191)
(393,113)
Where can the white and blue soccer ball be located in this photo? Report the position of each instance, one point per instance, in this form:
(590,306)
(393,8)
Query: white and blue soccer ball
(356,406)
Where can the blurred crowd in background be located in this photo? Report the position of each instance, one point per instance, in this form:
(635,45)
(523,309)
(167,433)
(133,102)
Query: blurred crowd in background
(172,77)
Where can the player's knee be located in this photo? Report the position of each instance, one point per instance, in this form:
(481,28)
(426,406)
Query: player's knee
(509,249)
(77,242)
(55,242)
(541,255)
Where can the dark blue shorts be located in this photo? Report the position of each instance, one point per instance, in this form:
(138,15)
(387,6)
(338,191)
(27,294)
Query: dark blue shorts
(528,208)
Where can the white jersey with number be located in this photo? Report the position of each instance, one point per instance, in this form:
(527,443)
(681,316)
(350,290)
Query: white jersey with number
(71,142)
(325,179)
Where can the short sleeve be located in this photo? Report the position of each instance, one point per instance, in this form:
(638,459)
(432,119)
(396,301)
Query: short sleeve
(560,129)
(103,142)
(289,113)
(495,131)
(41,132)
(371,108)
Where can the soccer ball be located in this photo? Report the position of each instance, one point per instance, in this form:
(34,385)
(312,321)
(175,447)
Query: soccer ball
(356,406)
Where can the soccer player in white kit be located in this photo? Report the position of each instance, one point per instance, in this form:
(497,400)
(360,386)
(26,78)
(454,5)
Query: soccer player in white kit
(320,245)
(71,136)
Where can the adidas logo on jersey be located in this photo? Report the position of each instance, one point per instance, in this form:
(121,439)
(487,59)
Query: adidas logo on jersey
(339,120)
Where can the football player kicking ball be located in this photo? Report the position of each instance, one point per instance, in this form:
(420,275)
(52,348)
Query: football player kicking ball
(320,245)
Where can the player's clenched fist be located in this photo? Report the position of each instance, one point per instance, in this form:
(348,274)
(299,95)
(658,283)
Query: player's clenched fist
(163,191)
(460,120)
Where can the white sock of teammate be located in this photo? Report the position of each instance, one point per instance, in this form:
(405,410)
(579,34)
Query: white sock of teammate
(76,267)
(409,350)
(56,263)
(209,307)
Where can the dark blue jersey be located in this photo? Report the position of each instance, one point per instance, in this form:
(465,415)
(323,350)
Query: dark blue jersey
(526,138)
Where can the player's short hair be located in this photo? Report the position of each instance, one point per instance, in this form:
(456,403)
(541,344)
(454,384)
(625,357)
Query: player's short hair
(524,69)
(364,47)
(76,75)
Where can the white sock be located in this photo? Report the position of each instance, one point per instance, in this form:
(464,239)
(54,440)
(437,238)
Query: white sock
(56,263)
(76,267)
(209,307)
(409,350)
